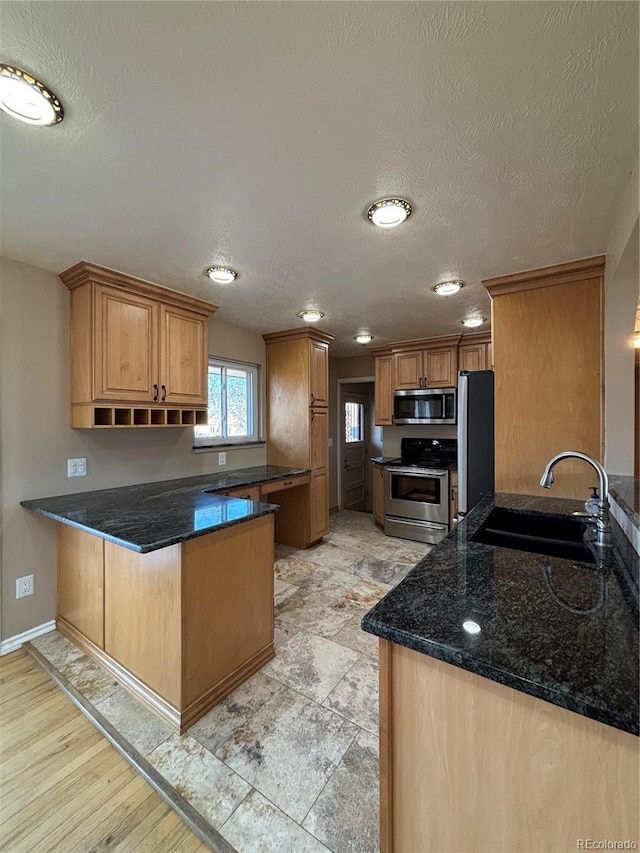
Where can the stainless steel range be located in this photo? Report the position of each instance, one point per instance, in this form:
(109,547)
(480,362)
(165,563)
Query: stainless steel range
(416,502)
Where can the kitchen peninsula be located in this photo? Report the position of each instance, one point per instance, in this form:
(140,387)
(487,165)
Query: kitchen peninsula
(169,585)
(509,693)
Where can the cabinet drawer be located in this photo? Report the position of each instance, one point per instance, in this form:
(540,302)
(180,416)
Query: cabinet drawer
(281,485)
(248,493)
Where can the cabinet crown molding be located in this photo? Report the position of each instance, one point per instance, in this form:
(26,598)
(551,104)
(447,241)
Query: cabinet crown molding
(419,343)
(476,338)
(582,270)
(85,272)
(304,332)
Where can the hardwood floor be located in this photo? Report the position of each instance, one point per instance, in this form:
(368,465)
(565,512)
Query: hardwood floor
(63,787)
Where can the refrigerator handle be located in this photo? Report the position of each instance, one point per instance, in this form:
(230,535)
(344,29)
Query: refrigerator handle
(463,417)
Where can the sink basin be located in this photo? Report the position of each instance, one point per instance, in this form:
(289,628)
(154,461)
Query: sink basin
(555,536)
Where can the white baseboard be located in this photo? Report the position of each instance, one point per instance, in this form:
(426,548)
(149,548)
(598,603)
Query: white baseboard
(13,643)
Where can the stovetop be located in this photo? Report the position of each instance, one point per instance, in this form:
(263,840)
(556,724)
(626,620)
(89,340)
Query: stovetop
(428,452)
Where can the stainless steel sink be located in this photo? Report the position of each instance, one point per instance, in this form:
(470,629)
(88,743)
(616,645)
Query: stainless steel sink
(553,535)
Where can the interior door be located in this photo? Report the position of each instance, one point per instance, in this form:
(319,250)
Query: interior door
(354,451)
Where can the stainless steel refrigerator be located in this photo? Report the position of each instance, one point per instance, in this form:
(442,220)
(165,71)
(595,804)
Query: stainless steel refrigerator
(475,437)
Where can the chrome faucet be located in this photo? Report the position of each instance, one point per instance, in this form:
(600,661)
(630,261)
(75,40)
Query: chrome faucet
(602,518)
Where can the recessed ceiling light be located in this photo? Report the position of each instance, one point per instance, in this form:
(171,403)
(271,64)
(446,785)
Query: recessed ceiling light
(446,288)
(26,98)
(363,338)
(473,322)
(389,212)
(311,315)
(221,275)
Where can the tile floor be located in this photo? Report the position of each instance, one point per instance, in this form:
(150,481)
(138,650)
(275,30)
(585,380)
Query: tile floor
(288,762)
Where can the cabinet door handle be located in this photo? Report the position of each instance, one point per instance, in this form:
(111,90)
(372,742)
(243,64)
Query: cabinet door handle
(155,394)
(426,382)
(313,398)
(164,393)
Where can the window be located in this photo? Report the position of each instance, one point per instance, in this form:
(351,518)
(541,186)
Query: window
(233,404)
(353,422)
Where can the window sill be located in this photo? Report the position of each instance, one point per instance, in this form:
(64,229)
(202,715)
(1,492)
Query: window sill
(238,445)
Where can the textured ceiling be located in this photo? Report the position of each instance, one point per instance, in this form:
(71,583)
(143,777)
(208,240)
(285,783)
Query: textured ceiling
(256,134)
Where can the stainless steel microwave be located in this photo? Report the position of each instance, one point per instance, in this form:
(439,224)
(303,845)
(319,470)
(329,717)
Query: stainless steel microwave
(425,406)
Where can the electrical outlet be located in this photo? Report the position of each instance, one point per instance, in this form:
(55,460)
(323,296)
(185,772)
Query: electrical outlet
(222,458)
(24,586)
(77,467)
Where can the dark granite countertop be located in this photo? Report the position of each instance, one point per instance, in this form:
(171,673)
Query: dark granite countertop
(384,460)
(151,516)
(559,630)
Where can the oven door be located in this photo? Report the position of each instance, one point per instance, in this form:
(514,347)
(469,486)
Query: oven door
(417,493)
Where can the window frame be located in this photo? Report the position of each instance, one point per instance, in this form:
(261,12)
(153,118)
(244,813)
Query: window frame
(203,442)
(357,442)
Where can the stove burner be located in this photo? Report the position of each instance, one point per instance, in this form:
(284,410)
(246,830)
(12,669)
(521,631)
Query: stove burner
(428,452)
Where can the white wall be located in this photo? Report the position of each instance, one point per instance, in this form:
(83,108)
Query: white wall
(36,439)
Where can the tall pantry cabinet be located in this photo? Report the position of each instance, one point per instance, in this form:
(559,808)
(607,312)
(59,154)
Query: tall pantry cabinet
(297,367)
(547,329)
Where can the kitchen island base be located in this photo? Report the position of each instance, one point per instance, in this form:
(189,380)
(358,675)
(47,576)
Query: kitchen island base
(180,627)
(470,764)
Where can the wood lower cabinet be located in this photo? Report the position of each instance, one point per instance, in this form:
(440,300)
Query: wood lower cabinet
(81,582)
(378,493)
(247,493)
(319,506)
(181,627)
(469,764)
(135,344)
(453,498)
(297,374)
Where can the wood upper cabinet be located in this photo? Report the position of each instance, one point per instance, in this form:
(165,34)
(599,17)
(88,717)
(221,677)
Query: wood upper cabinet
(384,385)
(410,370)
(429,367)
(125,351)
(135,343)
(474,352)
(441,367)
(183,356)
(319,373)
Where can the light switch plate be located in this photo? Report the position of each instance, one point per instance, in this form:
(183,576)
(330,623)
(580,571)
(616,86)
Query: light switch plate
(77,467)
(222,458)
